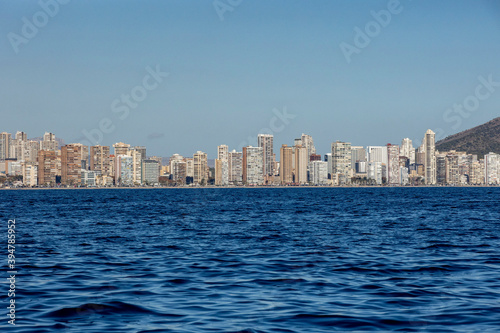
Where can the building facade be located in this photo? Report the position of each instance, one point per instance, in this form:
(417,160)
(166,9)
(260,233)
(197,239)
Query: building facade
(71,164)
(253,165)
(266,142)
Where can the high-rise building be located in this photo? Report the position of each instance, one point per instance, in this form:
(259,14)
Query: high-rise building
(200,168)
(393,168)
(189,167)
(30,151)
(47,167)
(429,145)
(17,146)
(121,148)
(452,171)
(223,152)
(328,159)
(100,160)
(125,170)
(5,143)
(178,169)
(149,172)
(286,165)
(308,142)
(441,168)
(477,173)
(376,154)
(30,174)
(407,150)
(71,164)
(22,136)
(265,141)
(341,161)
(142,151)
(159,160)
(319,173)
(136,165)
(358,155)
(222,166)
(235,167)
(253,165)
(375,172)
(492,168)
(48,142)
(301,163)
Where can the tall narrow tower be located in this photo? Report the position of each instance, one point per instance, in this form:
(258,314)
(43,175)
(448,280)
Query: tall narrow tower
(429,145)
(265,141)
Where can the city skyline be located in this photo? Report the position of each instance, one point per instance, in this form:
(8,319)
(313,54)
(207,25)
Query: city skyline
(40,163)
(224,77)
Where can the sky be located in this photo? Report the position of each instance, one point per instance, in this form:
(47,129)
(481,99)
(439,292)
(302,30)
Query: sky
(180,76)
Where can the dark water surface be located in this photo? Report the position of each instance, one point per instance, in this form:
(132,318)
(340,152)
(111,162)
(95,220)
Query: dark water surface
(255,260)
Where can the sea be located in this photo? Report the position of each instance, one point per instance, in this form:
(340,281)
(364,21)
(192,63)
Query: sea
(251,260)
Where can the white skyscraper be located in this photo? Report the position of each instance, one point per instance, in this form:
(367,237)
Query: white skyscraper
(492,169)
(253,167)
(235,167)
(375,172)
(407,150)
(393,170)
(265,141)
(429,145)
(222,166)
(5,139)
(49,142)
(308,143)
(341,161)
(200,168)
(376,154)
(319,172)
(328,159)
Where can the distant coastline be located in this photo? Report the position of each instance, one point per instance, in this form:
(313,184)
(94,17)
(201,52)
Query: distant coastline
(239,187)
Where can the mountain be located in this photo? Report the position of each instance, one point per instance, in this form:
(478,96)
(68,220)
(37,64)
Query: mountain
(479,140)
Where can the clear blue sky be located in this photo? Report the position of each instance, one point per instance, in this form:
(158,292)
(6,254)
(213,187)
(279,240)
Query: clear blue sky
(227,76)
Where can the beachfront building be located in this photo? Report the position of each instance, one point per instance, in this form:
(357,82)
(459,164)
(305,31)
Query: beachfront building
(200,172)
(100,160)
(71,164)
(319,173)
(429,151)
(149,172)
(341,161)
(47,167)
(253,166)
(492,169)
(266,142)
(286,165)
(222,166)
(301,164)
(393,167)
(235,166)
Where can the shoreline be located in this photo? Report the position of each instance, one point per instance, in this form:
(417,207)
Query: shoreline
(240,187)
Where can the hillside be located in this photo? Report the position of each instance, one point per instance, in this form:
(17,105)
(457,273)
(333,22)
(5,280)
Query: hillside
(479,140)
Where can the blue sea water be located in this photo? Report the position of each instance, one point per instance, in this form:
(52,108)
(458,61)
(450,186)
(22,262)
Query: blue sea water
(254,260)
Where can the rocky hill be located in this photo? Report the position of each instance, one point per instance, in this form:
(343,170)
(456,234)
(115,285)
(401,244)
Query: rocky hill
(479,140)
